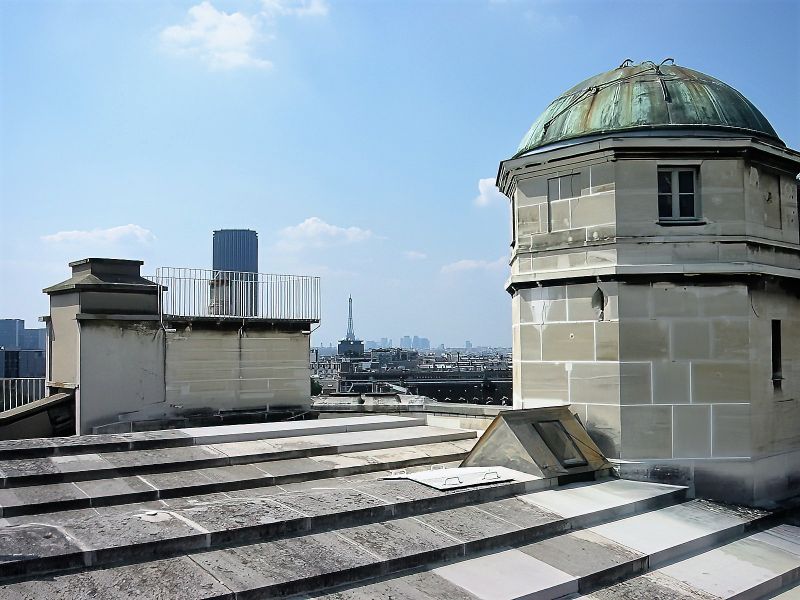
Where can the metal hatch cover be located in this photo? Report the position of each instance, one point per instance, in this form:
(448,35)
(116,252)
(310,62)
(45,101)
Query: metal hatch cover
(462,477)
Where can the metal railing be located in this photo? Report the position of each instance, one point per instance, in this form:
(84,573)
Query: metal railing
(212,293)
(18,391)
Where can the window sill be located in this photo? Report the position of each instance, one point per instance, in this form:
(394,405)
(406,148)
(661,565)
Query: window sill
(681,222)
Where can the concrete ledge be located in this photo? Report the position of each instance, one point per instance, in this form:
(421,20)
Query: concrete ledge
(173,438)
(26,410)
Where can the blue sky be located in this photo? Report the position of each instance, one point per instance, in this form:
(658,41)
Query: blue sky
(351,135)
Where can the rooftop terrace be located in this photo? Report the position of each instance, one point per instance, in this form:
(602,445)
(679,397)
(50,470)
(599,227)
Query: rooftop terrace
(305,509)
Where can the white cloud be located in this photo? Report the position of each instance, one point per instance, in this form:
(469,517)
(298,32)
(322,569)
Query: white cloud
(316,233)
(488,193)
(105,236)
(227,41)
(221,40)
(298,8)
(469,264)
(414,255)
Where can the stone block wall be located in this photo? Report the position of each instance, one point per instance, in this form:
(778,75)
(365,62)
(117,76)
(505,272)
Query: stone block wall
(667,371)
(221,370)
(566,350)
(576,229)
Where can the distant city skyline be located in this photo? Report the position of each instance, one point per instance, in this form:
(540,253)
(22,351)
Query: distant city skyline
(360,140)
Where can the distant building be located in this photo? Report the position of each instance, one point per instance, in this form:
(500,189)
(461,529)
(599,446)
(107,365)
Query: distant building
(235,250)
(350,346)
(235,289)
(468,345)
(22,363)
(393,358)
(405,342)
(420,343)
(14,336)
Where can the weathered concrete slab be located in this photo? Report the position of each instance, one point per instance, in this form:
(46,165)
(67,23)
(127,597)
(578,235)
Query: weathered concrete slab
(650,586)
(178,481)
(400,538)
(468,524)
(166,438)
(250,449)
(581,553)
(105,535)
(281,565)
(757,566)
(76,463)
(236,473)
(181,502)
(337,462)
(29,468)
(289,467)
(40,447)
(585,498)
(160,580)
(521,513)
(163,456)
(326,502)
(263,431)
(21,545)
(400,489)
(228,520)
(395,437)
(417,586)
(661,533)
(120,489)
(508,575)
(14,501)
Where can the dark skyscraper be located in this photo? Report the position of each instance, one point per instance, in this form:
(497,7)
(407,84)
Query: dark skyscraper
(235,293)
(235,250)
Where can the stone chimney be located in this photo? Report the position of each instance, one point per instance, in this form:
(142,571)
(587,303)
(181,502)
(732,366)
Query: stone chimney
(105,339)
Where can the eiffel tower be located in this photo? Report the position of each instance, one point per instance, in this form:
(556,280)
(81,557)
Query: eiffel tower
(351,335)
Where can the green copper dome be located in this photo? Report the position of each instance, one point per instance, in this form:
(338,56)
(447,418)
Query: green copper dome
(646,96)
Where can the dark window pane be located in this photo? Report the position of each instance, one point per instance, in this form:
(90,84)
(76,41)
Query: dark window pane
(686,182)
(777,362)
(664,206)
(552,189)
(576,185)
(560,443)
(686,202)
(565,186)
(665,182)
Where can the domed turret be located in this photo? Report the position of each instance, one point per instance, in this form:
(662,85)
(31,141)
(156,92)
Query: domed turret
(655,276)
(647,97)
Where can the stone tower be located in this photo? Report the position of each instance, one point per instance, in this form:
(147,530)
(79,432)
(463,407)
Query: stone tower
(655,277)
